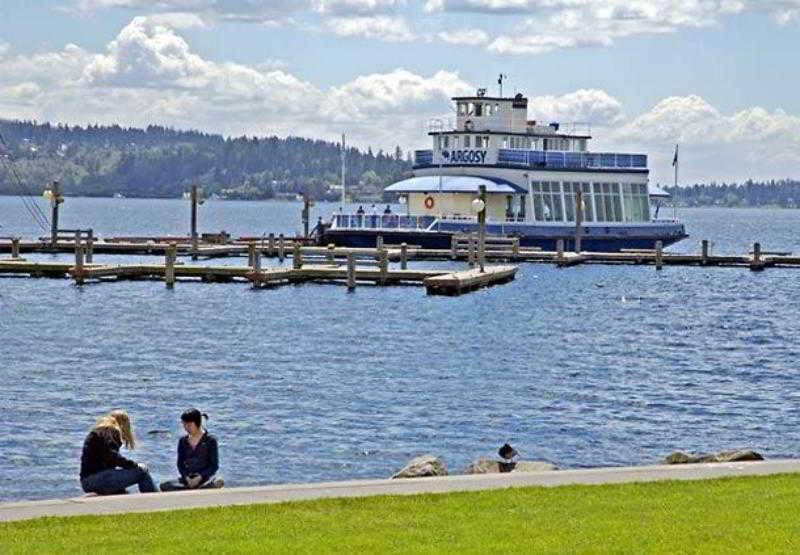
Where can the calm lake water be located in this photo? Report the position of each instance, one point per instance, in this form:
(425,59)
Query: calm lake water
(585,366)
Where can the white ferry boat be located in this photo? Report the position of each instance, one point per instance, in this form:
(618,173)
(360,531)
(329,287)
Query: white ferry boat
(532,173)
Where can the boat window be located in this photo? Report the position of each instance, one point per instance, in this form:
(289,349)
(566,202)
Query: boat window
(446,141)
(462,108)
(538,203)
(599,202)
(569,201)
(478,109)
(505,142)
(588,203)
(455,141)
(466,141)
(635,201)
(616,197)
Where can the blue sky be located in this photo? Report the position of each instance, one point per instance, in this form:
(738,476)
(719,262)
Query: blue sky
(718,76)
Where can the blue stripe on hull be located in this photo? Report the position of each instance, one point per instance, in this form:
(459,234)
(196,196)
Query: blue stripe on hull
(367,238)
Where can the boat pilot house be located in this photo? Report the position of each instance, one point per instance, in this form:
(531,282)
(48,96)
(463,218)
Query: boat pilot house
(534,175)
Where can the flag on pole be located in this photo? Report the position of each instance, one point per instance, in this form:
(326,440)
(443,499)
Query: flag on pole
(675,159)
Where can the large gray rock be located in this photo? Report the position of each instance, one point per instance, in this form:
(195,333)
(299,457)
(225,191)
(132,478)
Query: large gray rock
(492,466)
(422,466)
(725,456)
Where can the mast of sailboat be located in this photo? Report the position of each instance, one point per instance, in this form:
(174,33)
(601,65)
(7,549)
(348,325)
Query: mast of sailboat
(675,197)
(344,161)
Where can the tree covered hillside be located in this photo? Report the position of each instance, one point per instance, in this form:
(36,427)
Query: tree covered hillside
(163,162)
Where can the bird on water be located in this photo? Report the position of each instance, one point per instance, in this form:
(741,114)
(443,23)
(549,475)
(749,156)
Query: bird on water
(507,452)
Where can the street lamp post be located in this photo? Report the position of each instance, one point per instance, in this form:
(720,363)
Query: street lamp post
(479,207)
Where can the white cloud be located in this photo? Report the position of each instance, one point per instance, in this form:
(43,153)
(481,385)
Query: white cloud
(389,29)
(752,142)
(466,37)
(260,11)
(150,74)
(585,105)
(361,7)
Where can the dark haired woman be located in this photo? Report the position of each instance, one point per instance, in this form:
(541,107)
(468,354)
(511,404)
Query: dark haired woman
(198,456)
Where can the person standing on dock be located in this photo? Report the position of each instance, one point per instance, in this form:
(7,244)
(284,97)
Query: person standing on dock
(198,456)
(103,470)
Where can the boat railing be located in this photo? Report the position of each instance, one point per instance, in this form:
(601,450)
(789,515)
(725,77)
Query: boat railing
(381,221)
(555,159)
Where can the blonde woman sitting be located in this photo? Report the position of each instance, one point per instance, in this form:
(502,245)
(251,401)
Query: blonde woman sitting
(103,470)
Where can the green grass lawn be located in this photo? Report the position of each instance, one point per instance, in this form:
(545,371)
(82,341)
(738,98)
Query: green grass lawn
(716,516)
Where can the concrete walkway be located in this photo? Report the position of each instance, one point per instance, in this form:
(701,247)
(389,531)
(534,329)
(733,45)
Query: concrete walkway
(364,488)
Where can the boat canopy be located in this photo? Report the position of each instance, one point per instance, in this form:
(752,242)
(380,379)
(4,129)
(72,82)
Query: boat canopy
(658,192)
(455,184)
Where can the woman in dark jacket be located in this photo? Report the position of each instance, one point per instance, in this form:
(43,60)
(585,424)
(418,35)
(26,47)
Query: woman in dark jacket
(103,470)
(198,456)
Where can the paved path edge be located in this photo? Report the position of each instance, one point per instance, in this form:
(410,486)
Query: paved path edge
(136,503)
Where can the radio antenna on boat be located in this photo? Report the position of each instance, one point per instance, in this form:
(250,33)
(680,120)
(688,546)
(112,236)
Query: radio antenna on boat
(500,82)
(344,161)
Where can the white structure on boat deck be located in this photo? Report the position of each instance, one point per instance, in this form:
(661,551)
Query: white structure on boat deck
(494,139)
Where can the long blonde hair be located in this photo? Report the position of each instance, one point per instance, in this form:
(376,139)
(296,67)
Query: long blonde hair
(121,422)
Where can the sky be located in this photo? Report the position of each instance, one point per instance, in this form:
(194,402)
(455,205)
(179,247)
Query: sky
(719,77)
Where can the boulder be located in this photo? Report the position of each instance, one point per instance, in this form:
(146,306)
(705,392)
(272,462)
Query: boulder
(422,466)
(737,455)
(491,466)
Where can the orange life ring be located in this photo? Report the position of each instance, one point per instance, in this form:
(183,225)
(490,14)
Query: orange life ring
(429,202)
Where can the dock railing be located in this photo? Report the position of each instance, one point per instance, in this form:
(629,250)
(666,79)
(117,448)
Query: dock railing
(381,221)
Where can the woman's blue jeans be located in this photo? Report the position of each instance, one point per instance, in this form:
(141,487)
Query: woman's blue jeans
(117,480)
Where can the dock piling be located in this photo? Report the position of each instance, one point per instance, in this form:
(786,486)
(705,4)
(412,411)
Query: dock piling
(757,264)
(403,256)
(251,253)
(89,246)
(515,247)
(578,219)
(351,272)
(15,247)
(379,242)
(169,265)
(281,249)
(329,255)
(271,245)
(704,252)
(453,246)
(659,255)
(560,251)
(383,264)
(78,274)
(297,257)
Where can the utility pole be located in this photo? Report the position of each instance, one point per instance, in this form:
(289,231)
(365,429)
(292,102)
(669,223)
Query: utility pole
(55,200)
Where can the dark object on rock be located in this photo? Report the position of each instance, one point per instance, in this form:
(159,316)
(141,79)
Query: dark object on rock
(507,452)
(725,456)
(157,432)
(422,466)
(491,466)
